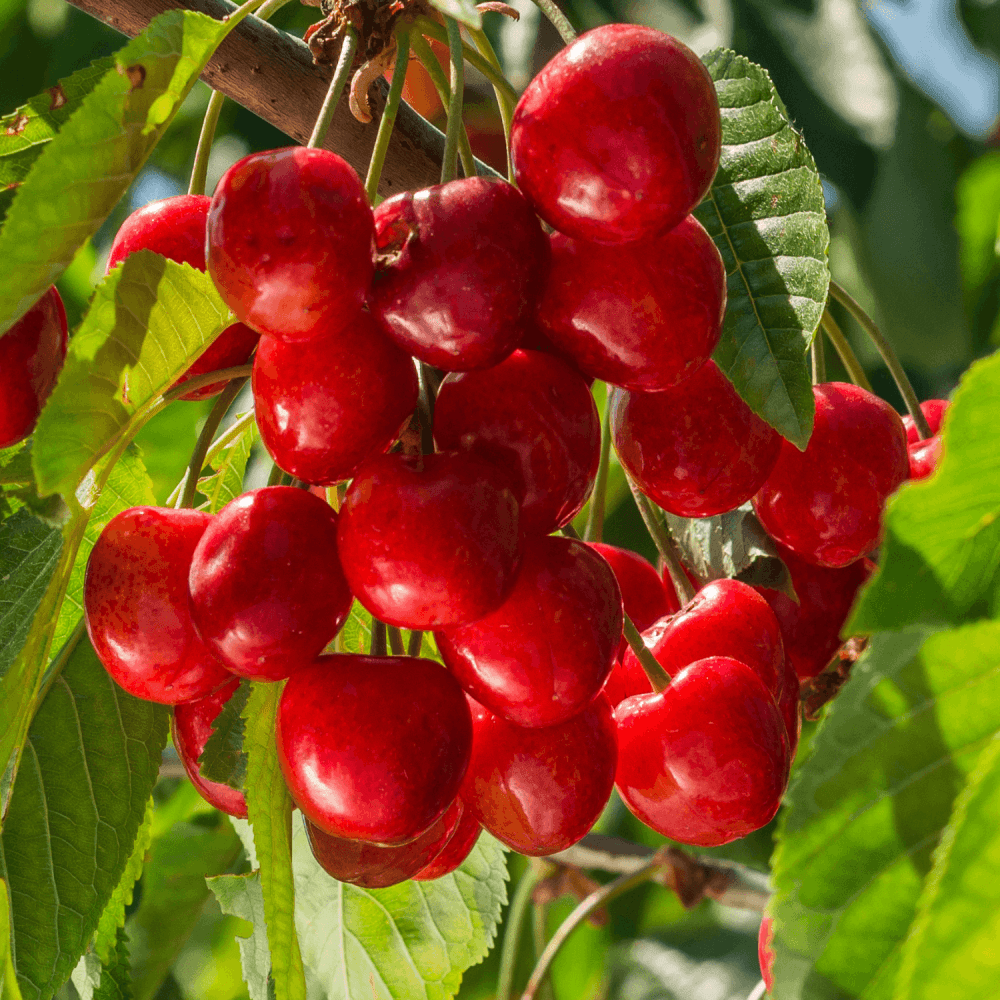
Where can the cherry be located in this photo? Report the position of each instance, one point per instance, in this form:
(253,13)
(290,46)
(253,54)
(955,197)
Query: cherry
(925,456)
(826,503)
(696,449)
(933,411)
(618,137)
(765,952)
(175,229)
(535,418)
(135,602)
(464,265)
(790,708)
(429,541)
(191,727)
(32,353)
(325,406)
(535,340)
(290,237)
(455,851)
(540,790)
(706,760)
(642,316)
(544,654)
(373,748)
(810,628)
(267,590)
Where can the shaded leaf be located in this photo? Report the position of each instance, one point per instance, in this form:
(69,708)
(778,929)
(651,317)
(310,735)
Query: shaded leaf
(223,758)
(463,11)
(226,462)
(356,635)
(9,990)
(116,979)
(241,896)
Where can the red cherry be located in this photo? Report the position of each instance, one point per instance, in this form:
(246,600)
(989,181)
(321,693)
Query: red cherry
(618,137)
(540,790)
(925,456)
(373,748)
(267,590)
(706,760)
(933,411)
(290,237)
(535,340)
(642,316)
(535,418)
(429,541)
(325,406)
(826,503)
(696,449)
(465,264)
(135,601)
(32,353)
(765,952)
(790,708)
(191,727)
(458,848)
(175,229)
(544,654)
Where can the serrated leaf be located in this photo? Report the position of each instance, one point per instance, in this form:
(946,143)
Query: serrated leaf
(767,216)
(223,758)
(241,896)
(463,11)
(116,978)
(227,461)
(15,464)
(356,635)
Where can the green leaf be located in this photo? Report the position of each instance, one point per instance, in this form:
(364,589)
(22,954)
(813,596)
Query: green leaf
(241,896)
(356,635)
(868,805)
(227,462)
(463,11)
(166,442)
(116,979)
(767,216)
(223,758)
(977,220)
(9,990)
(942,535)
(87,771)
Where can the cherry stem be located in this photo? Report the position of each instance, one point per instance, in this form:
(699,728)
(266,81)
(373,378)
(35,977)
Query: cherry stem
(226,438)
(598,498)
(559,20)
(388,118)
(332,100)
(843,348)
(505,101)
(378,643)
(818,358)
(539,934)
(664,543)
(416,640)
(889,356)
(655,673)
(570,532)
(449,162)
(200,381)
(425,408)
(513,927)
(199,171)
(276,475)
(395,640)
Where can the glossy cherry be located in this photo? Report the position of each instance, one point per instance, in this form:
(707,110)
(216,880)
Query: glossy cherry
(175,229)
(455,851)
(826,503)
(535,418)
(706,760)
(429,541)
(373,748)
(267,590)
(618,137)
(32,353)
(540,790)
(548,649)
(790,707)
(765,952)
(925,456)
(463,265)
(190,727)
(290,237)
(325,406)
(642,316)
(135,602)
(696,449)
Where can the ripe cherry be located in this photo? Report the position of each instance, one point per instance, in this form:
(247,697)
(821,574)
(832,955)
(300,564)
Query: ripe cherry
(790,707)
(267,590)
(696,449)
(765,952)
(618,137)
(135,601)
(642,316)
(455,851)
(463,268)
(373,748)
(925,456)
(325,406)
(32,353)
(290,237)
(429,541)
(706,760)
(547,650)
(540,790)
(535,418)
(191,727)
(826,503)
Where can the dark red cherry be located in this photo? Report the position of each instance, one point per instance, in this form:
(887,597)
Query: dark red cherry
(190,727)
(925,456)
(175,229)
(618,137)
(135,602)
(267,590)
(933,411)
(706,760)
(535,340)
(540,790)
(810,628)
(373,748)
(548,649)
(463,268)
(325,406)
(826,503)
(535,418)
(290,237)
(790,707)
(696,449)
(32,353)
(429,541)
(455,851)
(642,316)
(765,952)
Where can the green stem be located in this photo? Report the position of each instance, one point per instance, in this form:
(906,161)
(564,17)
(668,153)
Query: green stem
(395,640)
(664,543)
(570,532)
(425,408)
(539,932)
(506,101)
(415,642)
(449,163)
(389,113)
(889,356)
(276,475)
(199,171)
(200,381)
(513,927)
(559,20)
(818,356)
(843,348)
(658,677)
(340,77)
(598,498)
(378,643)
